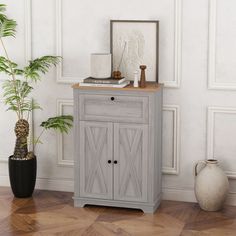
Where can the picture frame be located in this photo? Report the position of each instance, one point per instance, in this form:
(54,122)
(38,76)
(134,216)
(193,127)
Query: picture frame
(134,43)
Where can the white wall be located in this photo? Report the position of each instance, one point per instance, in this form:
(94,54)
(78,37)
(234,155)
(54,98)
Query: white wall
(197,65)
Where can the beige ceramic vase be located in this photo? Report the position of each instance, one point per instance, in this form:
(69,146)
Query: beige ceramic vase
(211,185)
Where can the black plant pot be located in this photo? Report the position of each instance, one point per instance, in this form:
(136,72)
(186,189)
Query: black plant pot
(22,175)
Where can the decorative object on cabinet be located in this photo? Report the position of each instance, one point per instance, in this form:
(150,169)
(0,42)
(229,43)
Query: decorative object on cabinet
(116,73)
(121,85)
(140,41)
(104,81)
(101,65)
(143,76)
(136,82)
(118,146)
(211,185)
(17,90)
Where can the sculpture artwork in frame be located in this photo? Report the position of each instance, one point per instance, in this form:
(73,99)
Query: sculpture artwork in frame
(134,43)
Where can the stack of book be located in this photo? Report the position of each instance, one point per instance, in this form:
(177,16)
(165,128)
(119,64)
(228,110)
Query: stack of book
(111,82)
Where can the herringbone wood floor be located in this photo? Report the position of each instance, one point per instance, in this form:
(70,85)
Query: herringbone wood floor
(52,213)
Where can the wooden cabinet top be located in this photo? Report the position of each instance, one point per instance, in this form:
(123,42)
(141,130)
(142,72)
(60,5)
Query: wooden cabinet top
(150,87)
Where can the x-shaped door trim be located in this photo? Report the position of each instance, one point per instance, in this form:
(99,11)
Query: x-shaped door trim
(96,151)
(130,156)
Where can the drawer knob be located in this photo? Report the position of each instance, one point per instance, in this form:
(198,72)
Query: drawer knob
(109,161)
(112,98)
(115,162)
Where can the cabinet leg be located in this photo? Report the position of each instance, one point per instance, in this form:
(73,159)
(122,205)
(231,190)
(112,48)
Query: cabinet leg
(150,209)
(78,203)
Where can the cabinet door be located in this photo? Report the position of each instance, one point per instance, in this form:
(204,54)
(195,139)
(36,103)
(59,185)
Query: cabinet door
(96,142)
(131,154)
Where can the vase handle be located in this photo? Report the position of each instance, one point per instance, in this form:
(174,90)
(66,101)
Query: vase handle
(196,169)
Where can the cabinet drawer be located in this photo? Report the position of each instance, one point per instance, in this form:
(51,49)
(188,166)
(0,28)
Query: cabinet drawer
(115,108)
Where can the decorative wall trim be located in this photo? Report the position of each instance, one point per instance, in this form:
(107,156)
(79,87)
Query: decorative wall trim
(60,159)
(211,132)
(177,47)
(59,47)
(212,83)
(174,170)
(27,34)
(28,29)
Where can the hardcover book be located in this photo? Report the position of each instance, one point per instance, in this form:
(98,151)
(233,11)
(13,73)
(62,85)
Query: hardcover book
(122,85)
(104,81)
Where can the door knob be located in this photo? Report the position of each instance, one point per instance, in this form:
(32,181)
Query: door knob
(109,161)
(112,98)
(115,162)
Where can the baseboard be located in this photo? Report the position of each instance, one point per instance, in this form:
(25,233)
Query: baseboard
(182,195)
(172,194)
(55,184)
(4,181)
(231,199)
(46,184)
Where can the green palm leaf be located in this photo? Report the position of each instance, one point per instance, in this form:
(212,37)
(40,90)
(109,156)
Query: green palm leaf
(2,8)
(7,26)
(60,123)
(40,65)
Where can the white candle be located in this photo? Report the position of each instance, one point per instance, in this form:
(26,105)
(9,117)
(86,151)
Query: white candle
(101,65)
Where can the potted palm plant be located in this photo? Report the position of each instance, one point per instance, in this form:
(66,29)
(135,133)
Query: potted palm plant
(17,90)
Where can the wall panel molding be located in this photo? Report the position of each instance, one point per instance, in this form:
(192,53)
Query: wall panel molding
(59,47)
(174,169)
(177,47)
(212,51)
(212,111)
(28,30)
(60,157)
(27,34)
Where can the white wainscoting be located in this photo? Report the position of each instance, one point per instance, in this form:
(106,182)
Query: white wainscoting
(174,168)
(61,160)
(28,30)
(211,135)
(27,35)
(213,49)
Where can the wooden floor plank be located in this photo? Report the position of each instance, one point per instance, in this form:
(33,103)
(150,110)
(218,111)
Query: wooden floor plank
(52,213)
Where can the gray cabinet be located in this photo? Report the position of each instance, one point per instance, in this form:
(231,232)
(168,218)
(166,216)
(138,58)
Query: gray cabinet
(118,146)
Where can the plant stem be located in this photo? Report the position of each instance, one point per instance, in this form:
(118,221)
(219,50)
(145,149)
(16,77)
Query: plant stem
(37,140)
(19,113)
(28,113)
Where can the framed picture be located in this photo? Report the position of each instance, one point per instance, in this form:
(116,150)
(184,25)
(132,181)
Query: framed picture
(134,43)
